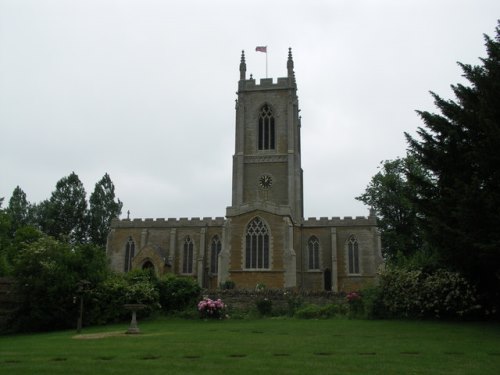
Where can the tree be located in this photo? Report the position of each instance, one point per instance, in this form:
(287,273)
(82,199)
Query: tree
(65,214)
(48,273)
(19,209)
(391,195)
(460,149)
(103,208)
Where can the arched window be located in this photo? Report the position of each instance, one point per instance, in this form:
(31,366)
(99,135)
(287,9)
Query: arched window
(353,255)
(129,254)
(266,129)
(313,248)
(187,256)
(257,245)
(214,254)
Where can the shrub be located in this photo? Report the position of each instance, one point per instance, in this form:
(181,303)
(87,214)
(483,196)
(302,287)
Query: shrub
(211,309)
(415,294)
(355,304)
(228,284)
(293,301)
(264,306)
(311,311)
(373,305)
(177,293)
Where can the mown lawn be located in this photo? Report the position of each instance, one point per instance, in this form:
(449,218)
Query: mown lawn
(268,346)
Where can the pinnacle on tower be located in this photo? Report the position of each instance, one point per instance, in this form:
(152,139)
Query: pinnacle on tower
(243,67)
(289,63)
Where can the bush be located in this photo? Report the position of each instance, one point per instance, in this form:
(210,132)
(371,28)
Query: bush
(177,293)
(227,285)
(373,305)
(311,311)
(416,294)
(264,306)
(211,309)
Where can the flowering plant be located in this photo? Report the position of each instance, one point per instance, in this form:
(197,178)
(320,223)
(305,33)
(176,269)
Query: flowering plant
(353,296)
(355,305)
(213,309)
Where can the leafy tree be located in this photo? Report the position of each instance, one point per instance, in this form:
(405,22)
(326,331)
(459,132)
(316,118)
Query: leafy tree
(5,241)
(460,149)
(103,208)
(64,215)
(391,195)
(49,273)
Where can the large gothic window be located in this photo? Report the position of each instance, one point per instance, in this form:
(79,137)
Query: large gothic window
(266,129)
(129,254)
(353,255)
(187,256)
(257,245)
(313,250)
(214,254)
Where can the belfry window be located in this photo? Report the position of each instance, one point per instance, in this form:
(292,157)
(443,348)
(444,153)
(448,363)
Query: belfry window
(353,255)
(266,129)
(214,254)
(129,254)
(257,245)
(187,256)
(313,249)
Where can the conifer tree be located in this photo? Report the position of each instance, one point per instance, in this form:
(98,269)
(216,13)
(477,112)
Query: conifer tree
(19,209)
(103,208)
(460,147)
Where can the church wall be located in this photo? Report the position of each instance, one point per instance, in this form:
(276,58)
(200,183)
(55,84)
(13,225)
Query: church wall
(273,278)
(162,243)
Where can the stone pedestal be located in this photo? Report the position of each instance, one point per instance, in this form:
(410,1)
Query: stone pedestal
(134,307)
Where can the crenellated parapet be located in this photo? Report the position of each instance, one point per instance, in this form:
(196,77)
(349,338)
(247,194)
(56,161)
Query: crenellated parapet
(282,83)
(168,223)
(340,222)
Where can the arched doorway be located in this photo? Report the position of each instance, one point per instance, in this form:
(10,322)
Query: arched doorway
(327,275)
(148,266)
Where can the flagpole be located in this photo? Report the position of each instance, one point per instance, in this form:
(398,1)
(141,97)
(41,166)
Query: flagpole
(266,61)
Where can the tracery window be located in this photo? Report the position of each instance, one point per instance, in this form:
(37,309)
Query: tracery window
(313,250)
(257,245)
(353,255)
(187,256)
(266,129)
(214,254)
(129,254)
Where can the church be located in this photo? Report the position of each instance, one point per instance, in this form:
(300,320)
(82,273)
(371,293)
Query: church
(264,237)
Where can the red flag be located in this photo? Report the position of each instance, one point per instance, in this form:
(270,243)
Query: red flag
(261,49)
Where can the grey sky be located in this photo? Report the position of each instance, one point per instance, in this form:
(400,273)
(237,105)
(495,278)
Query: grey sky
(144,90)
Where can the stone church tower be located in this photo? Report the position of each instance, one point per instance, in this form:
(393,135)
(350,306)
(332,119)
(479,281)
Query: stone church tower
(264,237)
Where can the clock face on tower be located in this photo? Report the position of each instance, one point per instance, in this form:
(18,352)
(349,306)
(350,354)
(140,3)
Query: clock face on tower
(265,181)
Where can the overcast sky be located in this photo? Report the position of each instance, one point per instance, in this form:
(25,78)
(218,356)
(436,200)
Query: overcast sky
(144,90)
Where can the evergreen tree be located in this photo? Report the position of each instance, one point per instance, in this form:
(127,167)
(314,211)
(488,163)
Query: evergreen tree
(19,209)
(103,208)
(391,195)
(65,215)
(461,149)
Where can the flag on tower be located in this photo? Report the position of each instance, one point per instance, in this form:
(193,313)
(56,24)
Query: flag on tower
(261,49)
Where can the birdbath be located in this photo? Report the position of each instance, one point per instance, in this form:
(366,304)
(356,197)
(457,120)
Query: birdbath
(134,307)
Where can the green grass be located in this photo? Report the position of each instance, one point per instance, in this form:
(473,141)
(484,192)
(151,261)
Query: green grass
(268,346)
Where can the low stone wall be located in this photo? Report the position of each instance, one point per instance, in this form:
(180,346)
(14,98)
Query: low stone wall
(245,299)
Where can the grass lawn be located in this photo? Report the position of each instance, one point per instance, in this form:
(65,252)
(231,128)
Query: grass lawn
(268,346)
